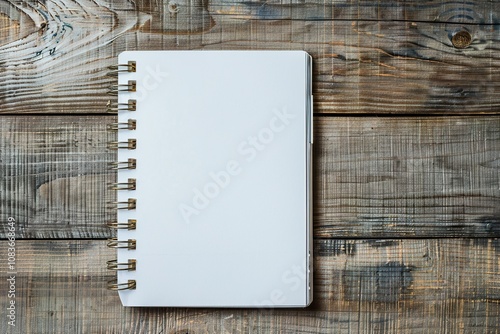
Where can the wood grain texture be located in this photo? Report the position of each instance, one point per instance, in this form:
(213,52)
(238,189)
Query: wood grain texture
(369,57)
(406,177)
(54,175)
(374,177)
(386,286)
(470,12)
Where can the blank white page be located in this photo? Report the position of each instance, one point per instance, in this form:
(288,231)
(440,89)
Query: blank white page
(223,179)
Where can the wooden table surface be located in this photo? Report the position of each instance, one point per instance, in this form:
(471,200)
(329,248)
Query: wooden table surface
(407,160)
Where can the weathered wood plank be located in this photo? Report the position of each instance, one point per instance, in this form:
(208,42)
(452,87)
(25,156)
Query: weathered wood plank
(54,175)
(374,177)
(398,176)
(473,12)
(370,57)
(386,286)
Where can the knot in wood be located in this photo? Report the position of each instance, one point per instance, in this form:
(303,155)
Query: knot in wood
(173,7)
(461,39)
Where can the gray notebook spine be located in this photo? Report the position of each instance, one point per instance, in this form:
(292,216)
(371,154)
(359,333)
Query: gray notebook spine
(130,204)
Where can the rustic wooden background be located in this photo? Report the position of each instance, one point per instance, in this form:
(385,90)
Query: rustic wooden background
(407,159)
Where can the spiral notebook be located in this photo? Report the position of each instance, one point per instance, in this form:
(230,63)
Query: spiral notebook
(214,178)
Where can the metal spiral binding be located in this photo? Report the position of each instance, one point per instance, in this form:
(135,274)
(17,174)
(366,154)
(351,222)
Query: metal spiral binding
(114,285)
(130,144)
(130,164)
(114,107)
(131,86)
(131,124)
(130,204)
(131,224)
(129,185)
(131,66)
(115,265)
(115,243)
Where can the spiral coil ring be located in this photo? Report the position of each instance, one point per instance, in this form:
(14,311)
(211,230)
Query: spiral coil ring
(130,144)
(131,124)
(131,66)
(130,204)
(129,185)
(129,164)
(115,243)
(131,224)
(114,285)
(131,86)
(114,107)
(115,265)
